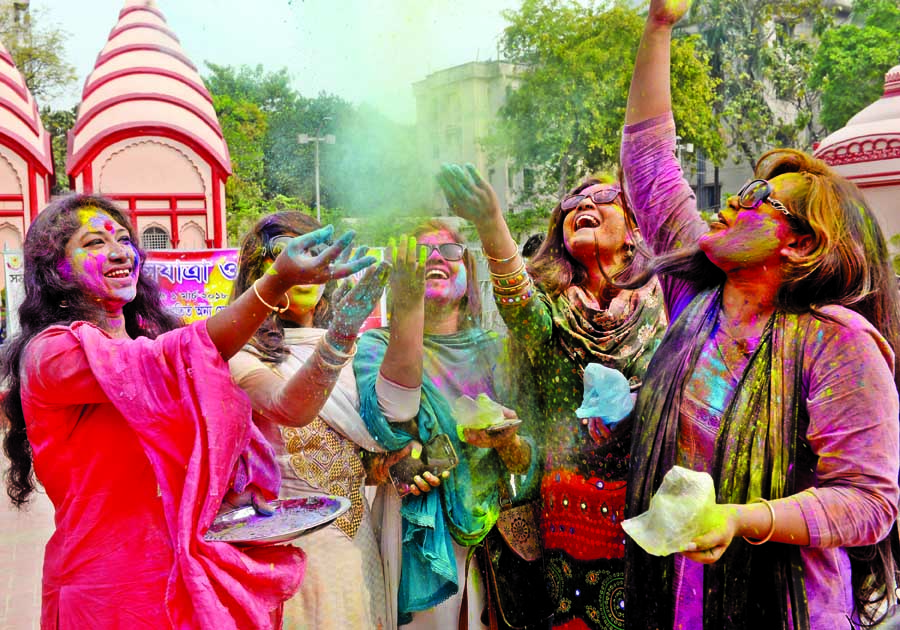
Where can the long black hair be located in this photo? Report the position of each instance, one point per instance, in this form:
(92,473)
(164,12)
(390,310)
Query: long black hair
(54,299)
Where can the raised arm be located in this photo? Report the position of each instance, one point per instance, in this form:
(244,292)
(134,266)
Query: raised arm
(472,198)
(651,94)
(298,401)
(230,328)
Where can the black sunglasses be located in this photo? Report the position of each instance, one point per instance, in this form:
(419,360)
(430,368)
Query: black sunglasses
(448,251)
(757,192)
(278,244)
(607,195)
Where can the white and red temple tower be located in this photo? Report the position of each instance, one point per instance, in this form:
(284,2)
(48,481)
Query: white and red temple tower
(867,152)
(147,135)
(26,161)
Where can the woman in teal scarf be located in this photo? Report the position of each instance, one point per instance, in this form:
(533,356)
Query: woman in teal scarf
(408,377)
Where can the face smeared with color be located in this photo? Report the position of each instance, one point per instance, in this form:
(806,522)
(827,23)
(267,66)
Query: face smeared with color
(445,280)
(743,238)
(593,231)
(101,258)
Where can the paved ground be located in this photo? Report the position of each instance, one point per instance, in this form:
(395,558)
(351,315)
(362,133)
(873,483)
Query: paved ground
(22,538)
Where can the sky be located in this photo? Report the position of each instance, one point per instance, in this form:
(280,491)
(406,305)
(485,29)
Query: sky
(365,51)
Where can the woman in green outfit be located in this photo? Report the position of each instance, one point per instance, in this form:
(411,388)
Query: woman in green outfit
(566,313)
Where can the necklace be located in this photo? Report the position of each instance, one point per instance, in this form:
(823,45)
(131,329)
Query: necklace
(742,344)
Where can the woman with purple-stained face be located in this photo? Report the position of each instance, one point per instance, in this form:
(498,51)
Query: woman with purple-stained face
(102,259)
(777,377)
(409,376)
(133,426)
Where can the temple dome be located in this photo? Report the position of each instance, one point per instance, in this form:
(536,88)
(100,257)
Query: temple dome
(871,135)
(20,123)
(144,84)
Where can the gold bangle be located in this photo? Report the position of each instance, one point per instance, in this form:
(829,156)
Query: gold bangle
(503,276)
(771,529)
(500,260)
(276,309)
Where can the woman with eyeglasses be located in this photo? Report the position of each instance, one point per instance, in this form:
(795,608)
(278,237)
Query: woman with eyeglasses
(564,312)
(296,372)
(133,426)
(409,377)
(777,377)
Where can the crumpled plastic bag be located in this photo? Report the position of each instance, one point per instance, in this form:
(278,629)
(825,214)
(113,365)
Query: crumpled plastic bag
(476,413)
(607,395)
(681,510)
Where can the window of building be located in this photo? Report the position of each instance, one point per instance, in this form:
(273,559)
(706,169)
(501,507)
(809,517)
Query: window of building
(155,238)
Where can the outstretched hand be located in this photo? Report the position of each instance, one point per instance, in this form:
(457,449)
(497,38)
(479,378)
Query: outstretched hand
(408,275)
(297,264)
(667,11)
(468,194)
(355,306)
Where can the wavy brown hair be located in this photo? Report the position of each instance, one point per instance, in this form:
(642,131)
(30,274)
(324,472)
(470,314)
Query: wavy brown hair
(51,299)
(555,269)
(268,339)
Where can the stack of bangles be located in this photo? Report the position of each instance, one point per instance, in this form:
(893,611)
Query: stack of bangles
(515,287)
(331,360)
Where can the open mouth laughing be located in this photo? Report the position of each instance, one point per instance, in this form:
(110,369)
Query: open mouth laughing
(118,273)
(586,221)
(436,273)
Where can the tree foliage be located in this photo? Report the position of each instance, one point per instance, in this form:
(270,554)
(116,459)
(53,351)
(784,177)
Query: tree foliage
(852,60)
(761,54)
(564,120)
(36,47)
(58,123)
(369,174)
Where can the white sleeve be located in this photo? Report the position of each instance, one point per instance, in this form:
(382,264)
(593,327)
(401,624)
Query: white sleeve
(397,402)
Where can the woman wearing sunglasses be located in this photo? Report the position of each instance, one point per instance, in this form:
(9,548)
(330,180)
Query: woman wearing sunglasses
(776,377)
(564,313)
(409,376)
(296,371)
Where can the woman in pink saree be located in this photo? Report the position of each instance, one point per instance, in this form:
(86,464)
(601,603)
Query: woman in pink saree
(134,428)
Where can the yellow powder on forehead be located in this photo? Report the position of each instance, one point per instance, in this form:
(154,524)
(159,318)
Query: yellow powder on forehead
(89,213)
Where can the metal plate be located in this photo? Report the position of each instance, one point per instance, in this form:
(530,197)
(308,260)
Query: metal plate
(292,518)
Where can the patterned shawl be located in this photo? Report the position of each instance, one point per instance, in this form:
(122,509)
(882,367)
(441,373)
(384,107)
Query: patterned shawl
(757,448)
(619,336)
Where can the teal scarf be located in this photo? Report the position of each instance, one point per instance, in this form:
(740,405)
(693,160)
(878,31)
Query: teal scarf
(466,506)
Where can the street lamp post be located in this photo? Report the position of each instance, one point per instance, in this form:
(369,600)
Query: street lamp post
(327,139)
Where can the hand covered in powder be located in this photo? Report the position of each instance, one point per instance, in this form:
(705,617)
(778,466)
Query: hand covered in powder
(469,195)
(408,275)
(251,496)
(667,12)
(299,264)
(722,523)
(357,303)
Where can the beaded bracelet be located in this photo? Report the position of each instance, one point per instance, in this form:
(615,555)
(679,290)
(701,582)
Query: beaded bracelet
(276,309)
(500,261)
(771,529)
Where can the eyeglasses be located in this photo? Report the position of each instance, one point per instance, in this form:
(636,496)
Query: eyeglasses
(756,193)
(278,244)
(448,251)
(607,195)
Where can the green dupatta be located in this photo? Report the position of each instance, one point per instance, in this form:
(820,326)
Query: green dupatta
(756,456)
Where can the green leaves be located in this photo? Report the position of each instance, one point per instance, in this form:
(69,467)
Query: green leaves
(564,121)
(852,60)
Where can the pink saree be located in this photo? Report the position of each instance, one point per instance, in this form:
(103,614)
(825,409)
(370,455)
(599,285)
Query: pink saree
(136,442)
